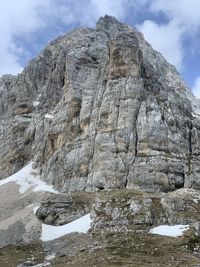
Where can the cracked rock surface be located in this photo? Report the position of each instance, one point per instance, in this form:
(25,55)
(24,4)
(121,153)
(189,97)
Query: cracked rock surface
(100,109)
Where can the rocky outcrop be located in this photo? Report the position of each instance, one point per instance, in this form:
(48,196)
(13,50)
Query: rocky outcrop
(100,109)
(59,209)
(23,102)
(121,210)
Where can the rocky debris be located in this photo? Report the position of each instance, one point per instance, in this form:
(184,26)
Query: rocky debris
(129,249)
(100,109)
(120,230)
(59,209)
(181,206)
(18,223)
(121,209)
(15,255)
(20,197)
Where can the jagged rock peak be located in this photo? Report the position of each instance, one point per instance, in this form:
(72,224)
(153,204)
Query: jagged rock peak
(108,23)
(100,109)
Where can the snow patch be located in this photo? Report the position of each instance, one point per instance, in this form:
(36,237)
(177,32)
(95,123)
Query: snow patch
(28,178)
(48,116)
(36,103)
(50,257)
(168,230)
(44,264)
(50,232)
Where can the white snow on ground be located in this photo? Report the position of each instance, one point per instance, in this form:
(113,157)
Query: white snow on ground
(50,257)
(44,264)
(81,225)
(28,178)
(48,116)
(168,230)
(36,103)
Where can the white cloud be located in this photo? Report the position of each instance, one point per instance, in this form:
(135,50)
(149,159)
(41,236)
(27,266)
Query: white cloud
(185,13)
(16,17)
(116,8)
(165,38)
(183,20)
(87,12)
(196,87)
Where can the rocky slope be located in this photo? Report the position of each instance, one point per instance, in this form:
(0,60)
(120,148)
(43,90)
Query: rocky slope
(112,126)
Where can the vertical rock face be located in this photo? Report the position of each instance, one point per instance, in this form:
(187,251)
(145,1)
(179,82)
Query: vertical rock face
(101,109)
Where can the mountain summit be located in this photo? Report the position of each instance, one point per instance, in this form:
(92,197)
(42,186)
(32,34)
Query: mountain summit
(101,109)
(109,123)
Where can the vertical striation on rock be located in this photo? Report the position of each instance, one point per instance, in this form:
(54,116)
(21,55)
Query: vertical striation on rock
(100,109)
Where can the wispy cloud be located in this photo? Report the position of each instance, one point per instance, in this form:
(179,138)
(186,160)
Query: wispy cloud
(117,8)
(166,38)
(183,21)
(15,19)
(185,13)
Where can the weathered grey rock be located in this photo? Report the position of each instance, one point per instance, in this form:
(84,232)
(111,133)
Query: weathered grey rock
(58,209)
(120,210)
(100,109)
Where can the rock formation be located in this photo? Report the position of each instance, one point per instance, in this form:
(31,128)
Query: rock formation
(103,116)
(100,109)
(123,209)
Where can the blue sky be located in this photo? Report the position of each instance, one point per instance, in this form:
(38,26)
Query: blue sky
(171,26)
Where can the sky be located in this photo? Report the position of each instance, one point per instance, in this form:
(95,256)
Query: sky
(171,26)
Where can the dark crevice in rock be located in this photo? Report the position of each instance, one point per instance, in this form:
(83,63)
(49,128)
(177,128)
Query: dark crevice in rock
(136,139)
(190,147)
(136,131)
(190,139)
(126,182)
(182,183)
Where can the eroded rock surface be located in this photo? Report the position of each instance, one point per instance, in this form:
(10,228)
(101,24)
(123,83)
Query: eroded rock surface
(100,109)
(122,209)
(59,209)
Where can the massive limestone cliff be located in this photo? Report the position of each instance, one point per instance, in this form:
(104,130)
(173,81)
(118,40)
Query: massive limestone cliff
(100,109)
